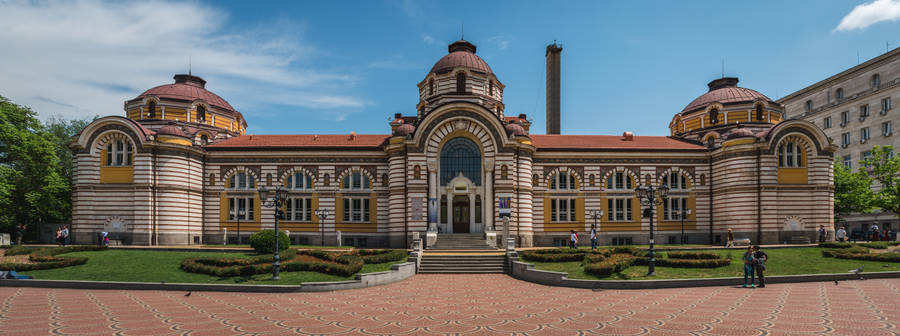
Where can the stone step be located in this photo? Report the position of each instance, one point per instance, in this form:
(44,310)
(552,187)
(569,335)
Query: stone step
(461,272)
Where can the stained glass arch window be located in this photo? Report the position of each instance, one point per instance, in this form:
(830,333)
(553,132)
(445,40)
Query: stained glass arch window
(460,155)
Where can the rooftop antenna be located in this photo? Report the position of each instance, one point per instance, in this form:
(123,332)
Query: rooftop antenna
(462,31)
(189,65)
(723,67)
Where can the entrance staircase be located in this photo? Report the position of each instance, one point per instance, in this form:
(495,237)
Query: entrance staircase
(460,241)
(462,254)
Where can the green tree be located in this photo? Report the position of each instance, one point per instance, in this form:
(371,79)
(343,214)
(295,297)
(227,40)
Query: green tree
(884,168)
(31,187)
(61,131)
(852,191)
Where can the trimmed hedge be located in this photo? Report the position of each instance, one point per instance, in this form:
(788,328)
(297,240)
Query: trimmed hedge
(613,264)
(882,245)
(18,250)
(264,241)
(555,255)
(694,263)
(693,255)
(860,253)
(46,258)
(381,256)
(334,263)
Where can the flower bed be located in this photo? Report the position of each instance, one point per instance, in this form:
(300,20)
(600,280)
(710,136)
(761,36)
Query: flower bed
(47,258)
(605,262)
(327,262)
(860,253)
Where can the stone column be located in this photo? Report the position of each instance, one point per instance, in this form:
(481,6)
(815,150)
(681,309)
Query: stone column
(488,201)
(472,210)
(432,194)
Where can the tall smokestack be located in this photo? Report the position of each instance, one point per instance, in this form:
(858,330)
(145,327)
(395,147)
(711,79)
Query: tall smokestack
(553,53)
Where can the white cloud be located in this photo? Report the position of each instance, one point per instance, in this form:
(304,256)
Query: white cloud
(428,39)
(871,13)
(84,58)
(500,41)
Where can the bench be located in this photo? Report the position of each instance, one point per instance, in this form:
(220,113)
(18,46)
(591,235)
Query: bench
(742,242)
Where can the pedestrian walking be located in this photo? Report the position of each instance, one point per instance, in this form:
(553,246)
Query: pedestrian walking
(730,242)
(65,235)
(573,239)
(748,266)
(841,234)
(873,233)
(760,258)
(821,233)
(593,237)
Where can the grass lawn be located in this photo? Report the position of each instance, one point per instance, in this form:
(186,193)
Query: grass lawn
(157,266)
(787,261)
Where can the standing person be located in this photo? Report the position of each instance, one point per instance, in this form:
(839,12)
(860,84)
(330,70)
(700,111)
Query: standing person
(760,257)
(573,239)
(20,233)
(730,242)
(841,234)
(65,235)
(872,232)
(748,266)
(59,235)
(821,233)
(593,237)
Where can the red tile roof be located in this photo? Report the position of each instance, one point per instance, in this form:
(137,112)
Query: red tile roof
(724,96)
(189,88)
(461,58)
(614,142)
(373,141)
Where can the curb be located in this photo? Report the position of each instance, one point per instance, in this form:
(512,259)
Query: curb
(526,272)
(398,272)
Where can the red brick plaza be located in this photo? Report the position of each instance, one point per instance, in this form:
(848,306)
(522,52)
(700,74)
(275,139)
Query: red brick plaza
(463,304)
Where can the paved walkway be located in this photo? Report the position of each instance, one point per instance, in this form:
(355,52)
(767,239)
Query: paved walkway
(464,304)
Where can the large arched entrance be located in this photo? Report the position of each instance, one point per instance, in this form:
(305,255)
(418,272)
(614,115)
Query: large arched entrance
(460,187)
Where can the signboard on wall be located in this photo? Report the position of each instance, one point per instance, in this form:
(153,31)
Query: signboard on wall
(505,206)
(432,210)
(415,210)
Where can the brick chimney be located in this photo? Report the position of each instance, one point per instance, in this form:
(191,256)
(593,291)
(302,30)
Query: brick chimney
(553,61)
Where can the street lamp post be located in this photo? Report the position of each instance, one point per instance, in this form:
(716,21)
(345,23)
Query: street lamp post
(648,197)
(279,196)
(323,215)
(684,213)
(595,214)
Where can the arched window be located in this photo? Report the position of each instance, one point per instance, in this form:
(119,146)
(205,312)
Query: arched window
(876,81)
(299,180)
(491,87)
(809,106)
(241,180)
(839,93)
(759,112)
(790,155)
(201,113)
(675,181)
(461,83)
(535,180)
(713,116)
(562,181)
(417,173)
(356,181)
(204,140)
(504,173)
(619,181)
(460,155)
(151,109)
(118,153)
(431,87)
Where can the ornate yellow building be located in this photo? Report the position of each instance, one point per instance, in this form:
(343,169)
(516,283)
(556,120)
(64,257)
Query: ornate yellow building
(179,169)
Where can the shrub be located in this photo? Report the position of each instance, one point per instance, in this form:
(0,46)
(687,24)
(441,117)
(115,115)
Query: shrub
(46,258)
(835,245)
(613,264)
(693,255)
(18,250)
(264,241)
(335,263)
(694,263)
(381,256)
(879,245)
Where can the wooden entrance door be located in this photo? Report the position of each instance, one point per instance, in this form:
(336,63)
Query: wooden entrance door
(461,214)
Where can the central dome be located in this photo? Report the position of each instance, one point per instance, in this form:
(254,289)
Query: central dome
(461,54)
(187,88)
(724,91)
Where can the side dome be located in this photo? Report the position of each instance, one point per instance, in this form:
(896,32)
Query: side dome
(515,130)
(404,130)
(171,129)
(187,88)
(725,91)
(739,132)
(461,54)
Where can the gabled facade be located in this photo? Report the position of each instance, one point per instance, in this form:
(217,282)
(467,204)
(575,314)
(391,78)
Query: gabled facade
(453,166)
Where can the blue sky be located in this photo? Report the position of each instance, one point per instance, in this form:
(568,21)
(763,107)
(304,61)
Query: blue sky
(335,67)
